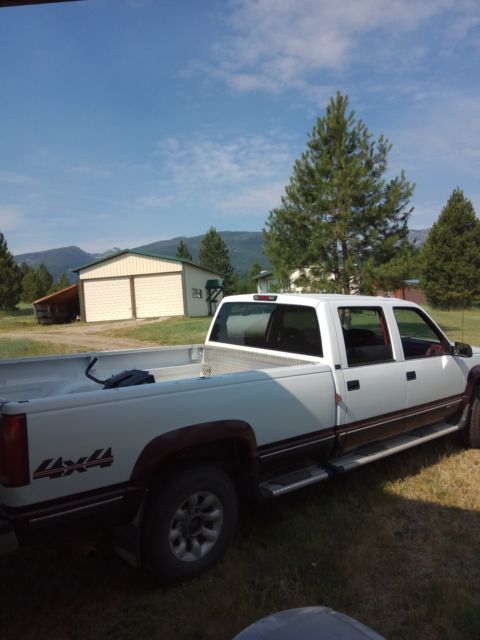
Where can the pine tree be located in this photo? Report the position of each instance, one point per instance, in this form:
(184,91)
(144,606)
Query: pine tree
(35,283)
(62,283)
(451,255)
(44,281)
(29,283)
(214,255)
(339,218)
(404,265)
(183,252)
(10,286)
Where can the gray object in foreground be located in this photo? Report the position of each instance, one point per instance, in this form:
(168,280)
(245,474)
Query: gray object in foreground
(308,623)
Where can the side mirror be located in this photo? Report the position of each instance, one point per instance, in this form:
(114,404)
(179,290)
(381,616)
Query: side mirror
(462,349)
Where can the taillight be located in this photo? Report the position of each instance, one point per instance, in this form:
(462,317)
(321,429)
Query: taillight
(14,470)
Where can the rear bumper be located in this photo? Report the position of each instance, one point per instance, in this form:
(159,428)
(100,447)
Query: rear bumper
(8,538)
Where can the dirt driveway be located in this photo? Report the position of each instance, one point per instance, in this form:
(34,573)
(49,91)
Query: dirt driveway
(86,335)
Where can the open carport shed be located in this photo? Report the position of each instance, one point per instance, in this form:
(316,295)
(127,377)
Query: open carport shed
(135,284)
(59,307)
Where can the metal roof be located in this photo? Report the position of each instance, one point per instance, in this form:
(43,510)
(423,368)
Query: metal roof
(145,254)
(64,296)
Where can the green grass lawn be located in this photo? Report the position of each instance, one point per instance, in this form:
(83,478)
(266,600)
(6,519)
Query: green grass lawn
(11,348)
(167,332)
(19,320)
(463,326)
(395,545)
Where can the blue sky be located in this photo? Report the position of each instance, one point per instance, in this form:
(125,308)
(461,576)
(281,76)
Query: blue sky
(123,122)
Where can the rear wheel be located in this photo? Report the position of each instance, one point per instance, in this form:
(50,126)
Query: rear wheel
(189,523)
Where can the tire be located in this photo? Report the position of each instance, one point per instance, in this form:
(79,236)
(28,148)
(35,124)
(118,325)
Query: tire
(189,523)
(472,432)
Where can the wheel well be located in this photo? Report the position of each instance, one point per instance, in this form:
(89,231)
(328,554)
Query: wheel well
(230,455)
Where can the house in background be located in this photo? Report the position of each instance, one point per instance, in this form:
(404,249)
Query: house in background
(409,291)
(266,282)
(135,284)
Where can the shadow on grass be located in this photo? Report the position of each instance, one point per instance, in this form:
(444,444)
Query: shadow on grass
(407,567)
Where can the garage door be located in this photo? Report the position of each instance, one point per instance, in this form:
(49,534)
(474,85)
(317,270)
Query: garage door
(159,295)
(107,299)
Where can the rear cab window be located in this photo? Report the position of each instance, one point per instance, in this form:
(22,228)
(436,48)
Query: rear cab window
(366,336)
(277,327)
(420,337)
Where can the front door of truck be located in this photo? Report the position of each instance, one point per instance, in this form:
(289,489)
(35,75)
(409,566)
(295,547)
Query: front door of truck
(434,378)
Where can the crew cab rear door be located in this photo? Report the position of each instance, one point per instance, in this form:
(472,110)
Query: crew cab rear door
(374,396)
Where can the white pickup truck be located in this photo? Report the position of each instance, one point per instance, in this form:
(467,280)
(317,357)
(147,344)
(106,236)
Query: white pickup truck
(287,391)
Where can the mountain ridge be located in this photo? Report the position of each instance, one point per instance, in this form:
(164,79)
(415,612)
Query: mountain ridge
(245,247)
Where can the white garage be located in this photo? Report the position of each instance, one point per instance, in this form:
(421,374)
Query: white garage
(133,284)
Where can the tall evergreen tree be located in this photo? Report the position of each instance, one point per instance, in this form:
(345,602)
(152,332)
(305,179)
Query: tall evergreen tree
(35,283)
(183,252)
(451,255)
(214,254)
(62,283)
(10,286)
(339,217)
(404,265)
(44,280)
(29,283)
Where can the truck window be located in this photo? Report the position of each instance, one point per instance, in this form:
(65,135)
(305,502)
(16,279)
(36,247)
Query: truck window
(366,336)
(278,327)
(420,338)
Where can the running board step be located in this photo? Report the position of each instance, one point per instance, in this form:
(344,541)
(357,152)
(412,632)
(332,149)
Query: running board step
(393,445)
(294,480)
(279,485)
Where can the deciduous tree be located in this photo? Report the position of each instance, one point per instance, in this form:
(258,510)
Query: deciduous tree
(339,216)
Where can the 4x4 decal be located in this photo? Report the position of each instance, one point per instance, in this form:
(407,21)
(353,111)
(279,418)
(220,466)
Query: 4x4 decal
(62,467)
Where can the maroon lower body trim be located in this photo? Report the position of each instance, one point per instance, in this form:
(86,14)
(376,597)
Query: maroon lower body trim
(107,506)
(296,444)
(452,402)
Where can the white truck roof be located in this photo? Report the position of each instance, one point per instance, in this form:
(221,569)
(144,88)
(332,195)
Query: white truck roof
(314,299)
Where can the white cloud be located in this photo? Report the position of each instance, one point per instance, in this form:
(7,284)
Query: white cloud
(11,217)
(280,44)
(235,176)
(444,133)
(203,161)
(250,201)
